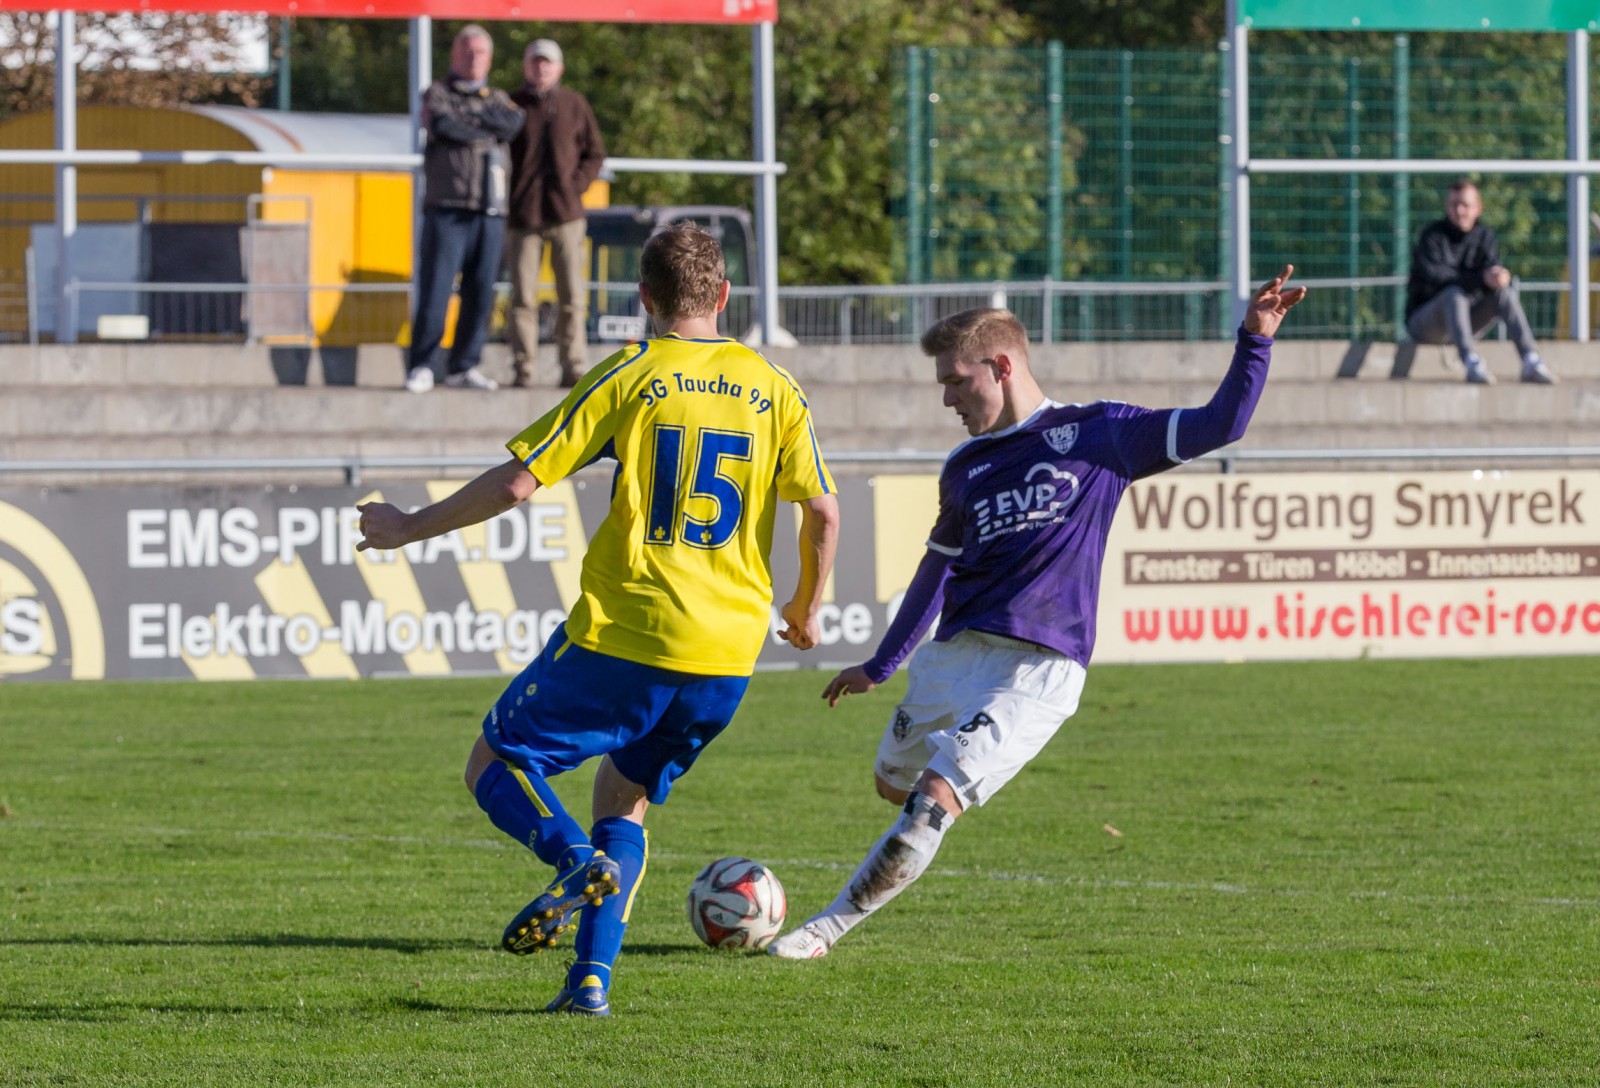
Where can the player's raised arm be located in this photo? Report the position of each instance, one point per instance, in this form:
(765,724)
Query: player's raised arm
(819,540)
(384,525)
(1267,309)
(1153,444)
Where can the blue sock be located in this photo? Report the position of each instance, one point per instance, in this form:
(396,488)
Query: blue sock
(600,929)
(524,807)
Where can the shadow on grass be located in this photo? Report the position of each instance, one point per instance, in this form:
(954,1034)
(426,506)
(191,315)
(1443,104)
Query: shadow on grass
(685,948)
(409,946)
(406,946)
(111,1012)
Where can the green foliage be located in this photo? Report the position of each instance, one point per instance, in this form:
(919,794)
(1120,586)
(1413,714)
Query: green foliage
(1344,873)
(1126,24)
(126,59)
(349,66)
(685,92)
(1144,164)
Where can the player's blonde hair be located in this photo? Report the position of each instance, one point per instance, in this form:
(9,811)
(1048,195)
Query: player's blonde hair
(977,334)
(682,269)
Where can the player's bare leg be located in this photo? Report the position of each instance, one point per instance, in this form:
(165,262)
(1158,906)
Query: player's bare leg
(892,866)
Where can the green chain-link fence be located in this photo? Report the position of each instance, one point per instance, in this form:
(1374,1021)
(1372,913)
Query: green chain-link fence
(1110,166)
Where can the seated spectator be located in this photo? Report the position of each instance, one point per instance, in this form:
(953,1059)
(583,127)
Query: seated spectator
(1458,288)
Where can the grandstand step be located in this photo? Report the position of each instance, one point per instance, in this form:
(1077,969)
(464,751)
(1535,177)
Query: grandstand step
(214,401)
(839,410)
(382,366)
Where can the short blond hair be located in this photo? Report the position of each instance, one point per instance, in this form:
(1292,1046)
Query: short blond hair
(977,334)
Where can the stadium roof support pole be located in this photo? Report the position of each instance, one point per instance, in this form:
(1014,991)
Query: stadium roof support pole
(420,65)
(66,172)
(1239,198)
(766,153)
(1578,184)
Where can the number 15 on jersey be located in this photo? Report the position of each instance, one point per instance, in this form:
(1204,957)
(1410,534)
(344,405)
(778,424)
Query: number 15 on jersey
(714,486)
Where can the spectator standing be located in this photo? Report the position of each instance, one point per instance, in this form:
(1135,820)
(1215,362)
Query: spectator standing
(1458,288)
(466,174)
(555,155)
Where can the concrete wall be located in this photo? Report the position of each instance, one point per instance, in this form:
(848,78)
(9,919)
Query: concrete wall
(195,400)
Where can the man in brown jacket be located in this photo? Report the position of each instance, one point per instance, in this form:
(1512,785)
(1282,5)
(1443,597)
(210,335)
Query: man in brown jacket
(554,158)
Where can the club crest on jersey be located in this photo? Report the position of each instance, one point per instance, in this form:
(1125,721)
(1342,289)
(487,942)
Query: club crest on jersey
(1062,439)
(902,724)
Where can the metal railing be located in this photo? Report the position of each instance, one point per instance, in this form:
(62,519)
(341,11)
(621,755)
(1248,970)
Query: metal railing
(353,467)
(1369,308)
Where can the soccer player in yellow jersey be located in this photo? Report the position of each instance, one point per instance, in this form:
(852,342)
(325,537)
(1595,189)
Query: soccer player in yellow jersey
(675,597)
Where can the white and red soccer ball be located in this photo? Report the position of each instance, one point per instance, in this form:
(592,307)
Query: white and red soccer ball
(737,903)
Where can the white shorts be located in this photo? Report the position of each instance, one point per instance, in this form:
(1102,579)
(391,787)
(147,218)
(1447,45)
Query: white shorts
(978,709)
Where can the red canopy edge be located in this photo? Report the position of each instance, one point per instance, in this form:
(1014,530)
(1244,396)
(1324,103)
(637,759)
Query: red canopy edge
(572,11)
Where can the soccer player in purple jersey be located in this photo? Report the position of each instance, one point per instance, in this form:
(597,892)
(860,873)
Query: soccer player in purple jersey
(1013,573)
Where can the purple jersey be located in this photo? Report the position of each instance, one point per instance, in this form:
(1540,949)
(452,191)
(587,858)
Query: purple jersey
(1024,513)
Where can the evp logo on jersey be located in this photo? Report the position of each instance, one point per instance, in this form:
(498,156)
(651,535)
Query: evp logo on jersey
(1046,489)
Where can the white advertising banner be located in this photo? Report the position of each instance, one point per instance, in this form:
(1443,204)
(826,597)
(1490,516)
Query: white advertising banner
(1302,565)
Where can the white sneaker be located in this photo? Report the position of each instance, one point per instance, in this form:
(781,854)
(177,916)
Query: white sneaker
(1534,372)
(472,378)
(804,943)
(420,380)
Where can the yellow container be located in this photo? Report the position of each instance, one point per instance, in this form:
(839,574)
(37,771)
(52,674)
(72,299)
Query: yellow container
(358,221)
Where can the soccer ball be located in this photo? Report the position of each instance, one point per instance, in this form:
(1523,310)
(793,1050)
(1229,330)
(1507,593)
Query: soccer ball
(737,903)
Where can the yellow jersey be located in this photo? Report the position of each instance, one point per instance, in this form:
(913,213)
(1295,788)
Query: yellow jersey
(709,436)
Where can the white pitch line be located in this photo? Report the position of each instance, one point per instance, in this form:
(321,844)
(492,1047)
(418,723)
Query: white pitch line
(996,875)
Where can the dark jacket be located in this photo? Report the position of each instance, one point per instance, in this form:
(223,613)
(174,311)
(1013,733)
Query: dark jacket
(1444,256)
(556,154)
(467,164)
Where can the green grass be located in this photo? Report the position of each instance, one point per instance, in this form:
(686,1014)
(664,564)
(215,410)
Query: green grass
(1342,874)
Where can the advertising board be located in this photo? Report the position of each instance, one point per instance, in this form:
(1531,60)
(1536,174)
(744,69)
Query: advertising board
(239,582)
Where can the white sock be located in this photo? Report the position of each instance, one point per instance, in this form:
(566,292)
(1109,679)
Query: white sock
(890,867)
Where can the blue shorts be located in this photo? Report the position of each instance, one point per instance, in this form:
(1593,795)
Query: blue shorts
(571,704)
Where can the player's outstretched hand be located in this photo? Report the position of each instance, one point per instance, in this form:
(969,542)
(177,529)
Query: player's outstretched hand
(382,526)
(853,681)
(803,632)
(1266,310)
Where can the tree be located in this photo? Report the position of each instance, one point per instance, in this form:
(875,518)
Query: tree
(1126,24)
(684,92)
(350,65)
(147,59)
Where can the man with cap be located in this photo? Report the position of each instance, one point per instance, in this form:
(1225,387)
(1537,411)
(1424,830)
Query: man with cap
(554,158)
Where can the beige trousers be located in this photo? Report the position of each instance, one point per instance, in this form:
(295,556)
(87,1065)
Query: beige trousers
(572,297)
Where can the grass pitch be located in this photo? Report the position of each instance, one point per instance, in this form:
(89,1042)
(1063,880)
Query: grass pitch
(1342,874)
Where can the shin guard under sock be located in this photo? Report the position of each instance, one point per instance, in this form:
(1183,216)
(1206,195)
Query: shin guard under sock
(601,928)
(893,864)
(526,808)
